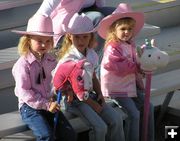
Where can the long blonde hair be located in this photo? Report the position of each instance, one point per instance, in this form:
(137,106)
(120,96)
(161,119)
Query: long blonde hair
(24,45)
(111,36)
(67,44)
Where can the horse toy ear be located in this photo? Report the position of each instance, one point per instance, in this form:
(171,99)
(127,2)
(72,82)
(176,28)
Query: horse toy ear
(147,45)
(153,43)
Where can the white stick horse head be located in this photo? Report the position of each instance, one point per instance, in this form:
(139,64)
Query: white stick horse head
(151,57)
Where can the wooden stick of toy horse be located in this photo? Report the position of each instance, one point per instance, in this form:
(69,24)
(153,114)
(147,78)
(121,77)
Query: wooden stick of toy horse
(150,59)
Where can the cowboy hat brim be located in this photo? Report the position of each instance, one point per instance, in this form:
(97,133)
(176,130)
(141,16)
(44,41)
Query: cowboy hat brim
(107,22)
(34,33)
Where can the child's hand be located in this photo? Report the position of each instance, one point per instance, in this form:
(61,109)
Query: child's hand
(101,99)
(54,107)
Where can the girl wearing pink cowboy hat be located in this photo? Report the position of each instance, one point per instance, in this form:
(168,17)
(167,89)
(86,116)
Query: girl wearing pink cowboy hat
(120,71)
(32,74)
(76,69)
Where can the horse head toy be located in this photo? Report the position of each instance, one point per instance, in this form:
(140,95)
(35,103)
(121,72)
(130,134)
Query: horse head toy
(151,57)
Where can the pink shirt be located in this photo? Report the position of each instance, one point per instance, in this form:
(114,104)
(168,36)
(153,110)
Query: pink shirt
(25,72)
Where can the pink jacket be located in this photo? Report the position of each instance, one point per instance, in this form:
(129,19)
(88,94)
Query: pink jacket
(118,70)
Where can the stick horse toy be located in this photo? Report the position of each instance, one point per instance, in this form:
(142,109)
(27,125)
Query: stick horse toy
(150,58)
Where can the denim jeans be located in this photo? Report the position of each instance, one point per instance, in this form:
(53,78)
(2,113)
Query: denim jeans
(108,125)
(134,107)
(41,122)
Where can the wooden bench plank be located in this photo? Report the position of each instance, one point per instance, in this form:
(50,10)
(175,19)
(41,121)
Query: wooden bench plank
(23,136)
(11,123)
(165,83)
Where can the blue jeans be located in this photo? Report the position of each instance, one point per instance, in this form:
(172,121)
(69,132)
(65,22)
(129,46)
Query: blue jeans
(108,125)
(134,107)
(41,122)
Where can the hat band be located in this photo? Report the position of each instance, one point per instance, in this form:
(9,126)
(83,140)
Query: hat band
(82,29)
(41,32)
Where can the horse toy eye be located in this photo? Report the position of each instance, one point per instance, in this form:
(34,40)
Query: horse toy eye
(149,55)
(79,78)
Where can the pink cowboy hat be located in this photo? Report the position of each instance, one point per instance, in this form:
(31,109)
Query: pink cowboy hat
(38,25)
(123,10)
(79,24)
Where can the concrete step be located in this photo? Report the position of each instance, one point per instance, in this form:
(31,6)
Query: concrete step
(23,136)
(148,31)
(161,13)
(9,39)
(167,39)
(7,4)
(8,55)
(14,14)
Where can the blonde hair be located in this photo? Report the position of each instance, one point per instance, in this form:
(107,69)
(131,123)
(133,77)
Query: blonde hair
(67,44)
(111,36)
(24,45)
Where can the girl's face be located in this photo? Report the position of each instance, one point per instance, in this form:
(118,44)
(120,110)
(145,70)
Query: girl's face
(81,41)
(40,45)
(124,32)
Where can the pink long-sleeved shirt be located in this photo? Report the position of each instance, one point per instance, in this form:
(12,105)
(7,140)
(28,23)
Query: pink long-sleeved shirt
(25,72)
